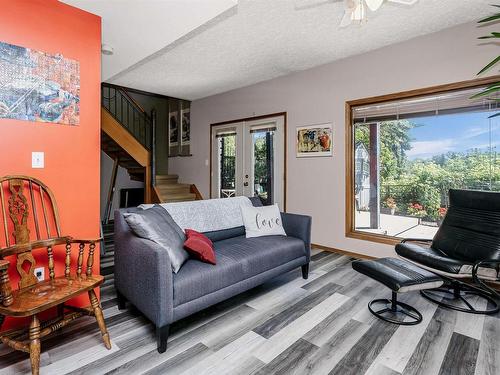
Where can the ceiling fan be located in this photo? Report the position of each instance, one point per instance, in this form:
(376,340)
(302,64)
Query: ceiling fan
(355,10)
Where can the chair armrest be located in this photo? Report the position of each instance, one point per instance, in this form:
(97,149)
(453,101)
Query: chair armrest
(21,248)
(298,226)
(143,273)
(85,241)
(6,298)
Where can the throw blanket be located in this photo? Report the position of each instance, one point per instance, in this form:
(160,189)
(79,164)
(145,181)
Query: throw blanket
(206,215)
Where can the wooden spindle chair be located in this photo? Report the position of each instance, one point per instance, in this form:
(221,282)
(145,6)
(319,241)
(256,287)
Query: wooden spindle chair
(27,204)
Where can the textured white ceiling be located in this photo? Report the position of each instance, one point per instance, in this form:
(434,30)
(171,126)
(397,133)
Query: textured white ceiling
(138,28)
(264,39)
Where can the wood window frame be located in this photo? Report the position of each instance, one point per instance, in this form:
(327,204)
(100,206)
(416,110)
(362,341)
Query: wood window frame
(350,230)
(285,143)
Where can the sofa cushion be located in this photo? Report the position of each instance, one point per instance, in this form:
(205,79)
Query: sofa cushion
(199,246)
(259,254)
(256,201)
(155,224)
(196,279)
(238,258)
(224,234)
(262,221)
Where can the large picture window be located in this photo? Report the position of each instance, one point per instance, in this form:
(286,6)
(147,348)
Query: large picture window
(406,153)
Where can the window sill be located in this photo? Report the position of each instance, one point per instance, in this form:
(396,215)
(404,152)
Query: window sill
(379,238)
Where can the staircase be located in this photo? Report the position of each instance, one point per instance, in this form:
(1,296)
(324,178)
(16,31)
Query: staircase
(169,189)
(128,137)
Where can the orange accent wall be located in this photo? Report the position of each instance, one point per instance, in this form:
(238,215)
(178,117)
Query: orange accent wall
(72,153)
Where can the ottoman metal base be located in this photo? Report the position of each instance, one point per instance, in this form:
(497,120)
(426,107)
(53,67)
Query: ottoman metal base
(393,311)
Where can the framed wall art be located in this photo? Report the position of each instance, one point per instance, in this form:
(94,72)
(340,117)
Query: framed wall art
(38,86)
(314,140)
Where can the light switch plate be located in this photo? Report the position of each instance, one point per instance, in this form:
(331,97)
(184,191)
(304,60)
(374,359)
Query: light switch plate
(37,159)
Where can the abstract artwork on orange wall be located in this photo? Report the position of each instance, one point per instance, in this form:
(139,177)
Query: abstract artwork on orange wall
(37,86)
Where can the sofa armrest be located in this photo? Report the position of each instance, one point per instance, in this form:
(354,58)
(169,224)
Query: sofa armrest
(298,226)
(143,273)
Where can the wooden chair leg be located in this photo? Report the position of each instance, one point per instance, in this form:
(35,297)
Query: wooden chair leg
(34,336)
(96,306)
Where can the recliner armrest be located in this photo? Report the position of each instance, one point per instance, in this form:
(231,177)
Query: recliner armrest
(298,226)
(423,240)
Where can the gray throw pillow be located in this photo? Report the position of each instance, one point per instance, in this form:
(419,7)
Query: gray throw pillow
(156,224)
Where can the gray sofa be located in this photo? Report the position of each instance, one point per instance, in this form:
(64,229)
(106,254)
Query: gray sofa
(144,277)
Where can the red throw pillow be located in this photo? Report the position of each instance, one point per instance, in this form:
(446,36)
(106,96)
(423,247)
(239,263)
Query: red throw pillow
(199,246)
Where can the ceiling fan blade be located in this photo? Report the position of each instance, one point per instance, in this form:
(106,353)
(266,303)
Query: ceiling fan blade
(374,4)
(315,5)
(346,19)
(404,2)
(359,13)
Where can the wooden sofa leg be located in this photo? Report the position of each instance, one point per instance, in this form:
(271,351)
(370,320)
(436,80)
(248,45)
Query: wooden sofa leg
(34,336)
(121,300)
(305,271)
(162,338)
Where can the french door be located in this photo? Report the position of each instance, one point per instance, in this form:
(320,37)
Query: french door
(248,160)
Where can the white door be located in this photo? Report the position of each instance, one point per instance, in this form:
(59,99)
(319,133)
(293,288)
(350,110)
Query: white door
(248,160)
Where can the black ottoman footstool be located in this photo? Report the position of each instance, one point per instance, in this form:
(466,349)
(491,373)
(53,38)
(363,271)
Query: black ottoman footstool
(399,276)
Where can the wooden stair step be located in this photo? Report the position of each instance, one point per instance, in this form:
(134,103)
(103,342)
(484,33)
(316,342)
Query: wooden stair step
(174,188)
(166,179)
(174,197)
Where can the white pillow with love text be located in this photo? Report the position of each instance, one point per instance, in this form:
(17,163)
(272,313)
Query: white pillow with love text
(262,221)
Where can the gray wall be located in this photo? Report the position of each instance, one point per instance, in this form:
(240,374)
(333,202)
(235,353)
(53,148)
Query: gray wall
(161,105)
(123,181)
(316,186)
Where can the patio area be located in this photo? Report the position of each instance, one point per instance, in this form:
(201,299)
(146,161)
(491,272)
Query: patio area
(395,225)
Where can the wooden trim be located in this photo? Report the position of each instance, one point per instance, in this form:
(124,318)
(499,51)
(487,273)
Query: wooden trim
(285,150)
(246,119)
(425,91)
(148,194)
(123,138)
(349,151)
(155,195)
(343,252)
(194,190)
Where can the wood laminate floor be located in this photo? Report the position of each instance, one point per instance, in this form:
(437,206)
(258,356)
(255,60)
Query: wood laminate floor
(286,326)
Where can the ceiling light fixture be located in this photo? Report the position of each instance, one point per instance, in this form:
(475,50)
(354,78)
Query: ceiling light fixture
(355,10)
(106,49)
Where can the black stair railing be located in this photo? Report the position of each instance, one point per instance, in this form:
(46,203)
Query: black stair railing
(138,123)
(123,109)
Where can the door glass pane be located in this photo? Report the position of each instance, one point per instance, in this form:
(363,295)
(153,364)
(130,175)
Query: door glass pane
(263,162)
(227,160)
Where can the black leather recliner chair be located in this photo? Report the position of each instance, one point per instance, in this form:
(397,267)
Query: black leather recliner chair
(466,247)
